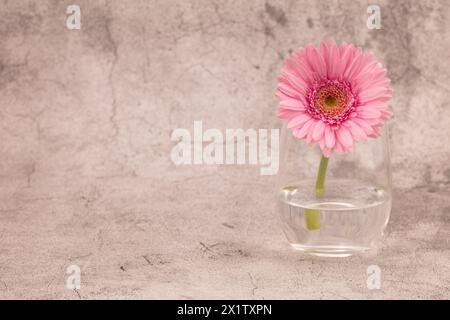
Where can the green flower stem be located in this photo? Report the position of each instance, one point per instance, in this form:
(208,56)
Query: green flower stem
(320,183)
(312,216)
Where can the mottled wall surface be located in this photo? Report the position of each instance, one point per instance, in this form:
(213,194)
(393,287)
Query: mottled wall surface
(85,170)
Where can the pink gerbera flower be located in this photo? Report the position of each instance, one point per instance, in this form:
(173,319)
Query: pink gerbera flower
(333,95)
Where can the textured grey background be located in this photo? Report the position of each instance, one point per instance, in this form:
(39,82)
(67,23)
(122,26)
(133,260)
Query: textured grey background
(85,170)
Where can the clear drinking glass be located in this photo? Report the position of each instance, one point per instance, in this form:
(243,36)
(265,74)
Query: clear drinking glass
(353,208)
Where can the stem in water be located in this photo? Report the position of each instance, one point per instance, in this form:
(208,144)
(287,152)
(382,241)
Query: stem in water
(312,216)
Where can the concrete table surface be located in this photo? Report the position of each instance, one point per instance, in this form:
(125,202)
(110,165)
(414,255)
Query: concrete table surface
(85,172)
(187,239)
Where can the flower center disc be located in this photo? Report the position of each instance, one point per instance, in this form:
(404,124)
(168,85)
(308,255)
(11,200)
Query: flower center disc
(332,101)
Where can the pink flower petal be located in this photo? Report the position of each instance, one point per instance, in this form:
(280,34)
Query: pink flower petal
(369,114)
(354,65)
(322,144)
(296,82)
(364,125)
(309,138)
(381,98)
(318,131)
(292,104)
(301,67)
(330,52)
(338,147)
(385,113)
(344,136)
(372,104)
(376,132)
(287,90)
(330,138)
(356,131)
(287,114)
(372,93)
(316,61)
(326,152)
(303,131)
(345,52)
(298,120)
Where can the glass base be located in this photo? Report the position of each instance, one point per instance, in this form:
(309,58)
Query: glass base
(330,251)
(348,219)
